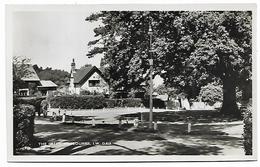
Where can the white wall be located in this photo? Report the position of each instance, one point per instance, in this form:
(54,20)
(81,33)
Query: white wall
(103,85)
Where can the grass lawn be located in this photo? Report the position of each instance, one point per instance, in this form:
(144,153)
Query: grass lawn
(211,134)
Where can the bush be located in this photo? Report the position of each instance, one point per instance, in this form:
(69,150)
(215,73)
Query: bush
(247,114)
(211,93)
(35,101)
(78,102)
(172,105)
(157,103)
(23,115)
(85,92)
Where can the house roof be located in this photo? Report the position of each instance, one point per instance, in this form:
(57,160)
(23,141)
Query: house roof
(83,74)
(31,75)
(47,83)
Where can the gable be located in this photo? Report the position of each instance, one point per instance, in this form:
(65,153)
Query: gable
(82,75)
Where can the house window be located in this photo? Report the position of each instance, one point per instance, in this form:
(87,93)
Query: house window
(94,83)
(24,92)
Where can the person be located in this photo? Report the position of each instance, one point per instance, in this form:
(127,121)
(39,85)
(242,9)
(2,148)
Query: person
(59,111)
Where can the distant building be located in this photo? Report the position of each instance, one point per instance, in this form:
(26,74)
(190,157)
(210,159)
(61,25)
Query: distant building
(33,84)
(88,78)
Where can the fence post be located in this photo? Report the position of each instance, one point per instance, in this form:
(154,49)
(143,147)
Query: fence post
(93,122)
(155,126)
(136,123)
(189,127)
(63,118)
(120,123)
(142,119)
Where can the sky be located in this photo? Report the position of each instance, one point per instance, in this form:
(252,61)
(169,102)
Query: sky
(54,38)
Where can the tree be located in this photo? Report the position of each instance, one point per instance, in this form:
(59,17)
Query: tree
(124,47)
(190,49)
(222,48)
(20,70)
(170,91)
(59,77)
(211,93)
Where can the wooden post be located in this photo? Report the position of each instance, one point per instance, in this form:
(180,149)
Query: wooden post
(142,119)
(155,126)
(73,119)
(136,123)
(93,122)
(189,127)
(63,118)
(120,123)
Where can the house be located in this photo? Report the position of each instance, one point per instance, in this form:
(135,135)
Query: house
(46,87)
(33,84)
(88,78)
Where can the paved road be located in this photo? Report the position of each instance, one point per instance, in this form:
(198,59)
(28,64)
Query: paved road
(172,139)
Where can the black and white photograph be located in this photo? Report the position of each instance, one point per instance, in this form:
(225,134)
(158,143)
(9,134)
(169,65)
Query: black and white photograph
(157,82)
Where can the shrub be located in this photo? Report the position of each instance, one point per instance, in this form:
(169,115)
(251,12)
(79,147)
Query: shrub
(78,102)
(132,102)
(157,103)
(84,92)
(35,101)
(247,114)
(172,105)
(211,93)
(23,115)
(111,103)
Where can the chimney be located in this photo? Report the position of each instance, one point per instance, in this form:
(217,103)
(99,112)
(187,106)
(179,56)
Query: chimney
(73,66)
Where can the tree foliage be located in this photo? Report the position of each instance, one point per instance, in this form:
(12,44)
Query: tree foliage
(170,91)
(211,93)
(59,77)
(20,70)
(190,49)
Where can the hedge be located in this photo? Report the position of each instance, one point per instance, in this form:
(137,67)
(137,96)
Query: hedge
(78,102)
(92,102)
(247,117)
(23,115)
(157,103)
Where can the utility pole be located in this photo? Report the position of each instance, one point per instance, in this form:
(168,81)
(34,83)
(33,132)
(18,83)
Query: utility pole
(150,33)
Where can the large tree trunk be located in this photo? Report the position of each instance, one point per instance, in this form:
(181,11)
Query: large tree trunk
(229,105)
